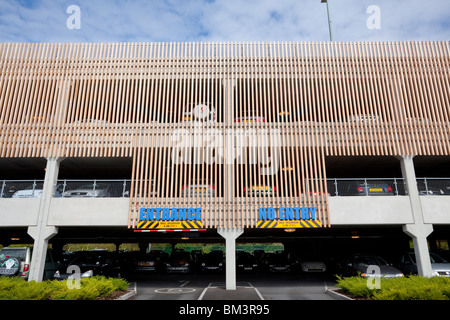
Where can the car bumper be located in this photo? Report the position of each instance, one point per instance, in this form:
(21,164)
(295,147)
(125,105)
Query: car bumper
(177,269)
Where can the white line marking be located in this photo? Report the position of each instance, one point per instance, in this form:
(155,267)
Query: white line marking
(204,291)
(257,291)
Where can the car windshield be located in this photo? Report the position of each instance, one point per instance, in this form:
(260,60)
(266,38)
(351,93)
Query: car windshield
(180,255)
(369,260)
(90,259)
(278,258)
(437,259)
(434,258)
(147,257)
(90,186)
(20,254)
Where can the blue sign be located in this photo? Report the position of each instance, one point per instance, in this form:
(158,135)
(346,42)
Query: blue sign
(287,213)
(170,214)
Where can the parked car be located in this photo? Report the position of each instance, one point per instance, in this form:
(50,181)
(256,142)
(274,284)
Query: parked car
(432,189)
(249,116)
(358,264)
(246,262)
(312,264)
(213,262)
(145,262)
(16,261)
(374,189)
(257,191)
(36,192)
(200,113)
(89,190)
(179,262)
(278,262)
(194,190)
(92,263)
(439,265)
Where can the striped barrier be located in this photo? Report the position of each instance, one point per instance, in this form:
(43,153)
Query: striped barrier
(270,224)
(157,225)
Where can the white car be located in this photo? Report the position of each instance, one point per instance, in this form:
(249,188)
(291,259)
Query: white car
(89,190)
(35,192)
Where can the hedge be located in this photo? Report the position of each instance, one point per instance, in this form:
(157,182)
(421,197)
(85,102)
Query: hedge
(405,288)
(15,288)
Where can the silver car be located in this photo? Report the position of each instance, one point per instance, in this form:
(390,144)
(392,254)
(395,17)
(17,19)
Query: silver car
(439,265)
(362,264)
(33,192)
(90,190)
(194,190)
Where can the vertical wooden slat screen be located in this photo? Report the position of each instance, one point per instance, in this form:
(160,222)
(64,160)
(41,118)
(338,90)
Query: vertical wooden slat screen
(283,104)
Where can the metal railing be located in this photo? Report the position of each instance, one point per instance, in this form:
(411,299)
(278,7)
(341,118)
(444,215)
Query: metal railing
(21,188)
(339,187)
(366,187)
(66,188)
(433,186)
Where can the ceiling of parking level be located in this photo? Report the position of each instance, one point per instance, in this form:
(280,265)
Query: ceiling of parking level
(22,168)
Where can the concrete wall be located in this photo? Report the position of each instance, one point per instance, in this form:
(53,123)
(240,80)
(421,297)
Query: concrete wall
(436,209)
(114,211)
(378,210)
(19,212)
(89,212)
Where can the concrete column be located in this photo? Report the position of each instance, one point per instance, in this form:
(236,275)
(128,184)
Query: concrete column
(419,234)
(41,233)
(420,230)
(230,236)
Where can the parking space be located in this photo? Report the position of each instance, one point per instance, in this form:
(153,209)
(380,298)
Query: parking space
(248,287)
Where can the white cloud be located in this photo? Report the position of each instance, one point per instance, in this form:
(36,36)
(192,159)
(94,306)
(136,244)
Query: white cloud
(222,20)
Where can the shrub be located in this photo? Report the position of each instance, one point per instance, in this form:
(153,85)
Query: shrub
(15,288)
(407,288)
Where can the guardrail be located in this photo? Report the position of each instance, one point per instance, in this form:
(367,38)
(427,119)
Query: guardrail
(339,187)
(366,187)
(66,188)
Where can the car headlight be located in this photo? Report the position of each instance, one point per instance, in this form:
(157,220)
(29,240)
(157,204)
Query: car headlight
(203,264)
(186,264)
(87,274)
(220,264)
(57,274)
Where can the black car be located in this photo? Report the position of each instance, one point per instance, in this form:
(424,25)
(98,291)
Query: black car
(246,262)
(213,262)
(278,262)
(91,263)
(179,262)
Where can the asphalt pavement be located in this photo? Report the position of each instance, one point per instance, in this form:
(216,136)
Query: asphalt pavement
(248,287)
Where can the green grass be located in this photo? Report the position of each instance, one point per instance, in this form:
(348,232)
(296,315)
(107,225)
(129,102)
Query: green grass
(406,288)
(14,288)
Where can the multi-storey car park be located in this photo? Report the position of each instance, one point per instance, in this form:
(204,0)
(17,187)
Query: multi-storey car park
(326,147)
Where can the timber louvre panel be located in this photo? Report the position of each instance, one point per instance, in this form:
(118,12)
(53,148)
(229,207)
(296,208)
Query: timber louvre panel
(308,100)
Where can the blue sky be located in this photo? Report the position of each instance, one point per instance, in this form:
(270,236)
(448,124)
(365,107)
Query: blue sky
(222,20)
